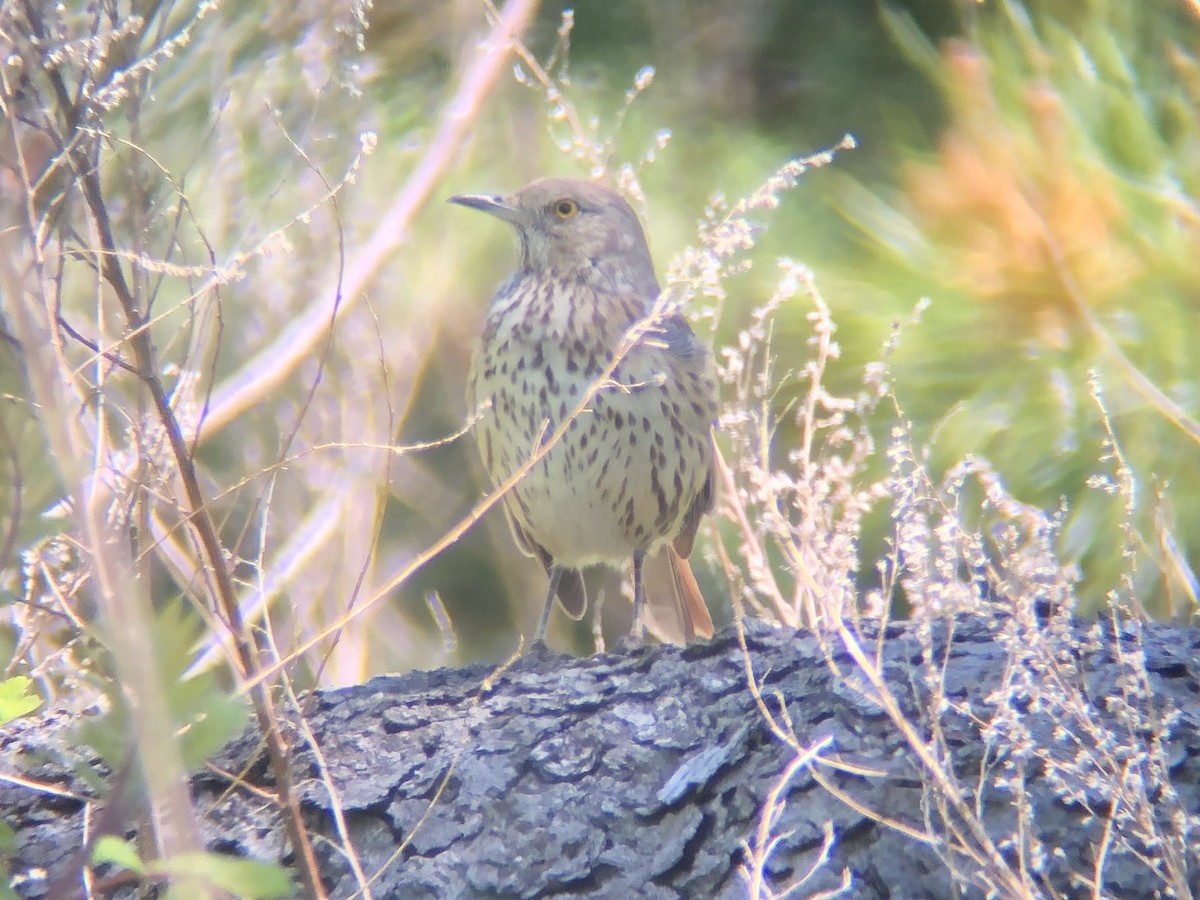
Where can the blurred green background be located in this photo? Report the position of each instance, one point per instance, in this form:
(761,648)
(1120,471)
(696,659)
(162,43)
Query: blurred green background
(1031,168)
(992,136)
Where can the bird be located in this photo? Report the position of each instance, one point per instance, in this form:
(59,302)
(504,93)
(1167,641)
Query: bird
(633,474)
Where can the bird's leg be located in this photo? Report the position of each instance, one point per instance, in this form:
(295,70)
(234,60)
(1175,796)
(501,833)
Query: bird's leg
(555,573)
(637,632)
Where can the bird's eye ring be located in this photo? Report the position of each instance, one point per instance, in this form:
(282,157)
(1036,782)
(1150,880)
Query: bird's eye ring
(565,208)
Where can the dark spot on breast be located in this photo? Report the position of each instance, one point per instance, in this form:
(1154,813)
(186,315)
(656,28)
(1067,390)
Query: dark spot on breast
(660,498)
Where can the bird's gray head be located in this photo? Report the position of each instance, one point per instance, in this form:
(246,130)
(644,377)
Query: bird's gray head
(573,227)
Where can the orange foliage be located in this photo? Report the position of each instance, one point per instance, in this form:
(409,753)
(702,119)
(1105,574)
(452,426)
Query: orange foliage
(1012,210)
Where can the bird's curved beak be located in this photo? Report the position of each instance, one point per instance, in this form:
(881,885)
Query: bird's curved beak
(494,204)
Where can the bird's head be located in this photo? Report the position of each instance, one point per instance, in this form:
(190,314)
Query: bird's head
(569,226)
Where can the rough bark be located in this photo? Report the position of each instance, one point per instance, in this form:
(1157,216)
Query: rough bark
(641,774)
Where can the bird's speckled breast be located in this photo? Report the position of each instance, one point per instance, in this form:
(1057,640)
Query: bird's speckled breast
(632,462)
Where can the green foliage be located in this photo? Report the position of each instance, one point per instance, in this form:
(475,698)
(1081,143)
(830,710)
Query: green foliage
(110,849)
(1054,229)
(8,846)
(244,878)
(17,698)
(205,715)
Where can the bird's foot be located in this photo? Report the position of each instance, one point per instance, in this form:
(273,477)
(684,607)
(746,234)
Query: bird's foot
(632,642)
(538,650)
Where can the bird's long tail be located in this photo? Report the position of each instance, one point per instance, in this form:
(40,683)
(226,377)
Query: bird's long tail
(675,609)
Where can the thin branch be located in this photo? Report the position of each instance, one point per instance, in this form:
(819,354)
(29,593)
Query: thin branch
(275,363)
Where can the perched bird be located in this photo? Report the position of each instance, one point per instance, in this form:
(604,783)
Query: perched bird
(632,475)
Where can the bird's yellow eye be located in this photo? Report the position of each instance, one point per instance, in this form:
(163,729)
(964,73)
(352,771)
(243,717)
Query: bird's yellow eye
(565,208)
